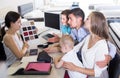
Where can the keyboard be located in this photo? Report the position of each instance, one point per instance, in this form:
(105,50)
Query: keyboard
(47,36)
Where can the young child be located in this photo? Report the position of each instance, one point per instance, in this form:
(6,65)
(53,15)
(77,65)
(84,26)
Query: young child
(66,45)
(65,28)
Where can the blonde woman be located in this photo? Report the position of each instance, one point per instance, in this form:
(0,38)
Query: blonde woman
(94,48)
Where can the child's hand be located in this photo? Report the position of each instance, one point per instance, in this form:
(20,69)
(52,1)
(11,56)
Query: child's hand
(58,62)
(51,49)
(47,49)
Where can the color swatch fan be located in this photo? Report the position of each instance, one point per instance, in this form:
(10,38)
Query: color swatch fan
(28,31)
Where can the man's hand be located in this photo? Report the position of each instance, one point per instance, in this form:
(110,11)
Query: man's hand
(104,63)
(54,39)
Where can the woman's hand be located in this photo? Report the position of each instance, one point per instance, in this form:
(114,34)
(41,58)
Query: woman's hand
(24,48)
(70,66)
(25,45)
(104,63)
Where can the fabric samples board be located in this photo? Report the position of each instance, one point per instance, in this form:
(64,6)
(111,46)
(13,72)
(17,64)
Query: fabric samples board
(29,31)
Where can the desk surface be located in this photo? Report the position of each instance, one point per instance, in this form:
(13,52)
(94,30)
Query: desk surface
(59,73)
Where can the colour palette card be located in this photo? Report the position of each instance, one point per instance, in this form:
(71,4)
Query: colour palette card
(28,31)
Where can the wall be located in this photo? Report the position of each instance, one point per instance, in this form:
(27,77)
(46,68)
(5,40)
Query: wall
(7,5)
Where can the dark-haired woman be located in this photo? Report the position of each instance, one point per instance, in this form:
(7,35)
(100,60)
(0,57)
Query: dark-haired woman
(15,48)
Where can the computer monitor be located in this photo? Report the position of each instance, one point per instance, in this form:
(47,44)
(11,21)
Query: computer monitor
(52,20)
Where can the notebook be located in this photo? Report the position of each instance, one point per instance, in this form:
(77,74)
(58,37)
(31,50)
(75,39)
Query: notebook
(37,68)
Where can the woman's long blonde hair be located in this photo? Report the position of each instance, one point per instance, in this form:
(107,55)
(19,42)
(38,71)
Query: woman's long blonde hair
(99,25)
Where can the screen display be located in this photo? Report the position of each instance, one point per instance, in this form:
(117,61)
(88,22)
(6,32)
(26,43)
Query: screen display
(52,20)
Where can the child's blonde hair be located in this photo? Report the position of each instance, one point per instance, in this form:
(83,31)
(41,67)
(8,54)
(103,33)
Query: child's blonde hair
(67,40)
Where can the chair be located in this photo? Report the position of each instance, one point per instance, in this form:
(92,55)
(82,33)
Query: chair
(27,8)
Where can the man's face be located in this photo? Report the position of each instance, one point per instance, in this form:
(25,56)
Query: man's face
(75,22)
(72,21)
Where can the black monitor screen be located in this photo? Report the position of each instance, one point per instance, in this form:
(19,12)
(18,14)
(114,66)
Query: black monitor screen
(52,20)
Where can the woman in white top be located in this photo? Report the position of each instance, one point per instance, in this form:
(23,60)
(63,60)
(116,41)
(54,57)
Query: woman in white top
(94,47)
(13,44)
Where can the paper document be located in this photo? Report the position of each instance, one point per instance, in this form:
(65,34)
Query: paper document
(29,59)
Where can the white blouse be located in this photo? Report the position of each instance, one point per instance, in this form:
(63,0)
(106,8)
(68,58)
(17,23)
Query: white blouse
(92,55)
